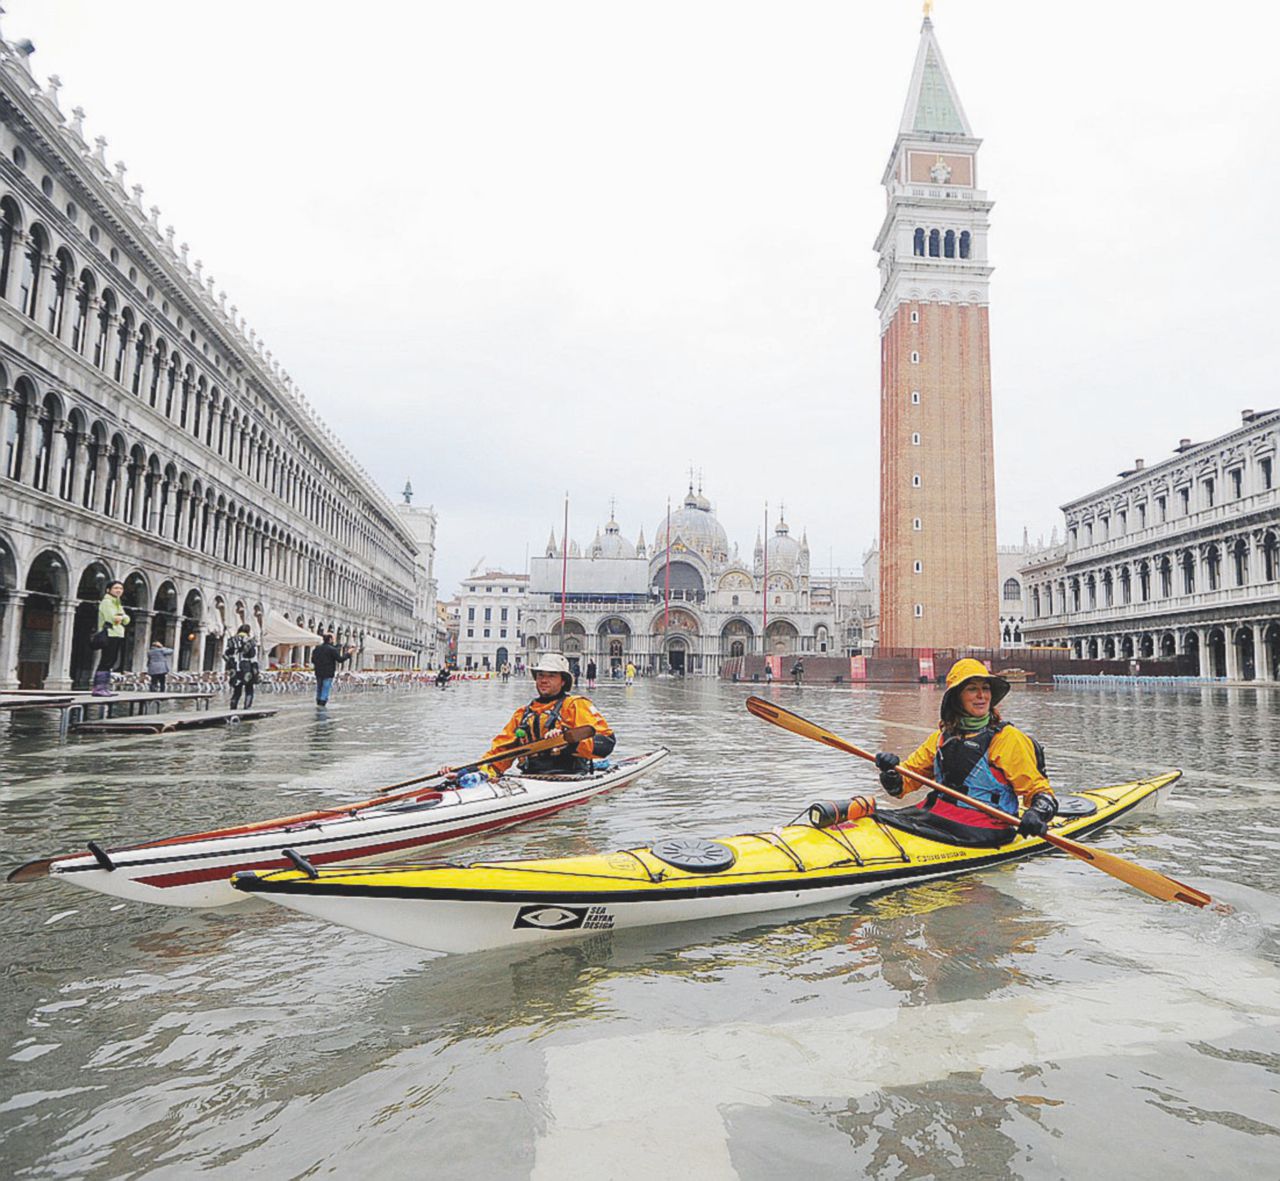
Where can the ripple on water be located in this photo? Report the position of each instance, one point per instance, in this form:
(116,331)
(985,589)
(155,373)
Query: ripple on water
(986,1026)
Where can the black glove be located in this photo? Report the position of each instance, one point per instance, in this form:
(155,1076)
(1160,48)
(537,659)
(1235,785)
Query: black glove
(1040,810)
(890,776)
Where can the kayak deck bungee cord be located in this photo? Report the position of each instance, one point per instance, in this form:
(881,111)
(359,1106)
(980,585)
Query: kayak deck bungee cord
(491,904)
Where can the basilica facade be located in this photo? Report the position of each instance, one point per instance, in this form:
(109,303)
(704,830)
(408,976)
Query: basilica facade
(685,602)
(148,436)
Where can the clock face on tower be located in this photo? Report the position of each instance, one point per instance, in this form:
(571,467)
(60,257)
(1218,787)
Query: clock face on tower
(940,173)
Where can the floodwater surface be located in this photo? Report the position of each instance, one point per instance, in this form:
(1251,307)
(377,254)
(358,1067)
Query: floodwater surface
(1037,1020)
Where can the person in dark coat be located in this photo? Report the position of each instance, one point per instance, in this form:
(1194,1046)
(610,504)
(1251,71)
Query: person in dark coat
(325,660)
(241,659)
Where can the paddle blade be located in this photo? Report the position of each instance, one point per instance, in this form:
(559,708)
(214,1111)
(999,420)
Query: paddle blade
(31,871)
(1149,881)
(768,712)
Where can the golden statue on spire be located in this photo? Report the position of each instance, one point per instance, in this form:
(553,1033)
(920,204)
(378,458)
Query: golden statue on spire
(928,9)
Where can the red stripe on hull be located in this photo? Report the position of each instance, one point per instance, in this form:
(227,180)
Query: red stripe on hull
(191,876)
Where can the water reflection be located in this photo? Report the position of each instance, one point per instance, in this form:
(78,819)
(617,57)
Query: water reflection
(252,1039)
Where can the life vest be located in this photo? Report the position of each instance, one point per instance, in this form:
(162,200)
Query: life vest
(536,725)
(962,763)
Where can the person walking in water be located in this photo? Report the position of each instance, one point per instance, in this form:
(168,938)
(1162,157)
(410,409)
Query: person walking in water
(325,660)
(591,674)
(112,619)
(241,659)
(159,665)
(631,673)
(797,672)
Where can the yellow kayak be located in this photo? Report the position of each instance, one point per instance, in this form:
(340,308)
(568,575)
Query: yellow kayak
(462,908)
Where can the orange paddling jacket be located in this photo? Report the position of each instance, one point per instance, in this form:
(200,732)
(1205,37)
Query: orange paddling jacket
(537,719)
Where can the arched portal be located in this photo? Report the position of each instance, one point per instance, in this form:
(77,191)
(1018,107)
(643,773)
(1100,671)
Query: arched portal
(782,639)
(46,588)
(737,638)
(615,645)
(1217,654)
(1246,658)
(189,631)
(89,592)
(1191,647)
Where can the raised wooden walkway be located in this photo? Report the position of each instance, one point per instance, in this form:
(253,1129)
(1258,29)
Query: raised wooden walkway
(168,723)
(76,708)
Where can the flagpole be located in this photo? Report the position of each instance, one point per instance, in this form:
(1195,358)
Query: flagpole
(564,569)
(764,638)
(666,588)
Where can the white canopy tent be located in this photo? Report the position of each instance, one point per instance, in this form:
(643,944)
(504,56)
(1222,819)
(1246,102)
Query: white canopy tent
(376,653)
(277,631)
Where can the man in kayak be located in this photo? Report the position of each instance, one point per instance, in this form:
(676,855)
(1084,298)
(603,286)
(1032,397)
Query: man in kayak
(973,751)
(554,709)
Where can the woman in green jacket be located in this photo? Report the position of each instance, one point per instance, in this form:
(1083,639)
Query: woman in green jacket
(111,615)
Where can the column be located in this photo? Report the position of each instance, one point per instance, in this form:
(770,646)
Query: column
(64,618)
(100,478)
(1206,663)
(1233,663)
(6,418)
(1261,669)
(140,623)
(10,625)
(201,631)
(58,460)
(27,468)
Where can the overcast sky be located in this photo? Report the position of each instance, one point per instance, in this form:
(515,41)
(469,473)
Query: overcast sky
(513,249)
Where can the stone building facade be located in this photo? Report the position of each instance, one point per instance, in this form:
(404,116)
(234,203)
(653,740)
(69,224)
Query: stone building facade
(625,602)
(147,435)
(421,523)
(938,548)
(1181,558)
(490,620)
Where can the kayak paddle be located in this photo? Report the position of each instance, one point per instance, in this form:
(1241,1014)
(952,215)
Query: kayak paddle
(1149,881)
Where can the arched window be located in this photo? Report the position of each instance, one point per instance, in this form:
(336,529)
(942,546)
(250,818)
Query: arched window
(16,439)
(1212,566)
(122,343)
(1240,560)
(1269,564)
(84,299)
(918,242)
(934,243)
(1188,573)
(949,244)
(158,365)
(102,339)
(171,384)
(964,243)
(10,219)
(1166,578)
(27,297)
(140,351)
(55,294)
(1012,590)
(45,424)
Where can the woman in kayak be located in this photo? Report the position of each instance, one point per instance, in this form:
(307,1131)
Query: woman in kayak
(973,751)
(554,709)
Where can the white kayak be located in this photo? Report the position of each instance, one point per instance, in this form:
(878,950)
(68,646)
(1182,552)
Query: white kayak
(194,870)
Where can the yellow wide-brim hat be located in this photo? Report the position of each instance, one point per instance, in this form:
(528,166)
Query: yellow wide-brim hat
(969,669)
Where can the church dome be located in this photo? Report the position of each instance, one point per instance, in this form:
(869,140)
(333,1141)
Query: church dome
(612,544)
(694,526)
(784,550)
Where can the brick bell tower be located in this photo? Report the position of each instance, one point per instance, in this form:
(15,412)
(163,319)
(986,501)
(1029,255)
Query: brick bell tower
(938,569)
